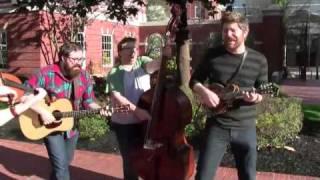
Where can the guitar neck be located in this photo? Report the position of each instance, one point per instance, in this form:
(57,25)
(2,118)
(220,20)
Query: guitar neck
(17,85)
(239,95)
(80,113)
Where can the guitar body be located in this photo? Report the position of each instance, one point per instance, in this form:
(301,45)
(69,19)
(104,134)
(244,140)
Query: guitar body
(231,92)
(226,95)
(31,124)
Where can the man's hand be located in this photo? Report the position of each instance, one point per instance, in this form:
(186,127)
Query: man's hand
(207,97)
(106,112)
(5,92)
(31,99)
(142,114)
(252,97)
(47,117)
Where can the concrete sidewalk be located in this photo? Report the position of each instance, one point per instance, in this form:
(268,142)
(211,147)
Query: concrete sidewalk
(28,161)
(307,90)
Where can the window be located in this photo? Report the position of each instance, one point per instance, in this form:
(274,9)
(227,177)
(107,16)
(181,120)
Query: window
(80,40)
(3,49)
(107,59)
(215,39)
(198,10)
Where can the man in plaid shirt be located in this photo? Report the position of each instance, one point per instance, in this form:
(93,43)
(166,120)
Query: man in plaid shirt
(65,79)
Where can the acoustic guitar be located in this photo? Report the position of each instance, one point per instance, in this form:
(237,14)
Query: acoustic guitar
(32,127)
(230,93)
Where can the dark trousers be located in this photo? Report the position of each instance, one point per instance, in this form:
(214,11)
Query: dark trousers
(243,144)
(60,151)
(129,137)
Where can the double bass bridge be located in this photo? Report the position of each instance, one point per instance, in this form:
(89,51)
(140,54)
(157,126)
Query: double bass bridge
(151,145)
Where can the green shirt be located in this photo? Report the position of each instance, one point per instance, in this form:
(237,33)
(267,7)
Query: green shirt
(130,84)
(114,81)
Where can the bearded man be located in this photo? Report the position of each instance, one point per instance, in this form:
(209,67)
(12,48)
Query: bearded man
(231,64)
(64,79)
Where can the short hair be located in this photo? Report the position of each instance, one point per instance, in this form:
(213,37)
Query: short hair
(67,48)
(125,40)
(235,17)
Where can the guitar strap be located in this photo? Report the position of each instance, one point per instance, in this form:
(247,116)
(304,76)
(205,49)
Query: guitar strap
(238,68)
(75,96)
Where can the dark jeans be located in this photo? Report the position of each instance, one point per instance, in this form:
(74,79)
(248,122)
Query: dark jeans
(129,136)
(60,151)
(243,146)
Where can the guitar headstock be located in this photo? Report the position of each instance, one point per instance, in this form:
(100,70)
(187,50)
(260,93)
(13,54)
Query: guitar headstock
(269,88)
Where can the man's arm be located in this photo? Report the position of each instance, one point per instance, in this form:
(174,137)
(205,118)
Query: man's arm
(206,96)
(199,76)
(261,79)
(26,102)
(118,99)
(152,66)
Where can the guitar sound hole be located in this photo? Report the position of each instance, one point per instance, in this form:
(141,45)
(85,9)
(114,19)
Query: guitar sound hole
(57,114)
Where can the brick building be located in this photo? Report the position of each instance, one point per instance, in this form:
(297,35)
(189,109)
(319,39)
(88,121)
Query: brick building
(26,38)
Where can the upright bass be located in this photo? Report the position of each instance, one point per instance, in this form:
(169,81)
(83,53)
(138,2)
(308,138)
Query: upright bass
(165,153)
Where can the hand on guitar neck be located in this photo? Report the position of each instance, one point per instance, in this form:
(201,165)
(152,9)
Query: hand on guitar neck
(219,98)
(251,96)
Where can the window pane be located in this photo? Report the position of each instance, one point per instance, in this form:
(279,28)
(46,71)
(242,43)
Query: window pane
(106,50)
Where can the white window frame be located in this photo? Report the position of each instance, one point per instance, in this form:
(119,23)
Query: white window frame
(198,9)
(3,49)
(81,40)
(107,47)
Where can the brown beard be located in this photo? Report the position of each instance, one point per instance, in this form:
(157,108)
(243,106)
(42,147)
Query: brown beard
(71,72)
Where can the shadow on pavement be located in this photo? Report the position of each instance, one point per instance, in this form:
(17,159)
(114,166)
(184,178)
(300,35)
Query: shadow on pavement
(26,164)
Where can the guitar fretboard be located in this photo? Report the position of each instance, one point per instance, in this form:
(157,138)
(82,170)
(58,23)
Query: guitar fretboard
(80,113)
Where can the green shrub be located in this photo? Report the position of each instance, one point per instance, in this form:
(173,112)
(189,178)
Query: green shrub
(197,124)
(194,129)
(99,88)
(279,121)
(3,105)
(93,127)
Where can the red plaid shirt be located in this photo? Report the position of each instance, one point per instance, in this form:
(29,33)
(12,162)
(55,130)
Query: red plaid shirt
(52,80)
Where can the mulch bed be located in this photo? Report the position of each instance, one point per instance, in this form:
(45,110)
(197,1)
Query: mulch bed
(305,160)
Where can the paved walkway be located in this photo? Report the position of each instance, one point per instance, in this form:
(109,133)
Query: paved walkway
(308,90)
(28,161)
